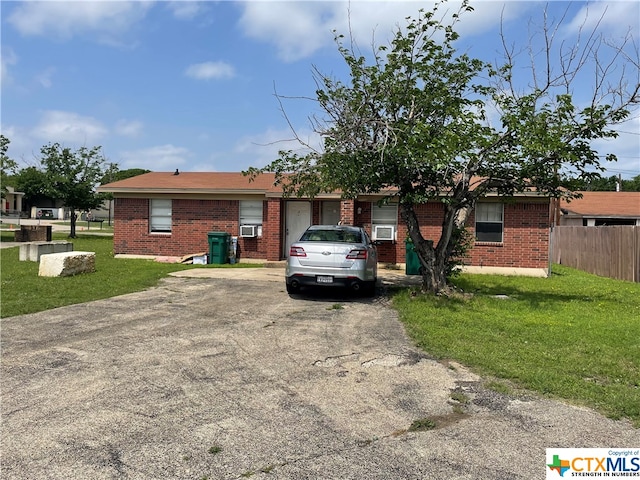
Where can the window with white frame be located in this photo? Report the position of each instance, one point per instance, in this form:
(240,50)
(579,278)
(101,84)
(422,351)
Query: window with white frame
(489,222)
(160,215)
(384,214)
(384,221)
(250,212)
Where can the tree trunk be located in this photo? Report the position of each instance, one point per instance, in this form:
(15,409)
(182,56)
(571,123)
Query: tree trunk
(453,222)
(434,276)
(72,233)
(435,261)
(432,268)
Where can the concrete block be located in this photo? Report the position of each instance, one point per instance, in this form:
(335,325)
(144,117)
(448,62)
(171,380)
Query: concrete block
(65,264)
(32,251)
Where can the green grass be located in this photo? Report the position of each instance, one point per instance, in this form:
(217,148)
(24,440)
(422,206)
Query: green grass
(422,425)
(23,291)
(215,449)
(574,335)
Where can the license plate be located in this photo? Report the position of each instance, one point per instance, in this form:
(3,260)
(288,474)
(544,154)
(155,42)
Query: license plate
(324,279)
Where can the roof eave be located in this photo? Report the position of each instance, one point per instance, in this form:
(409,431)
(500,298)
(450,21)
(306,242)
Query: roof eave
(182,191)
(599,215)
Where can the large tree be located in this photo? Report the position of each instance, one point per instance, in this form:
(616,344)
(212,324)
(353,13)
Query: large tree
(632,185)
(7,165)
(72,176)
(114,174)
(34,183)
(428,123)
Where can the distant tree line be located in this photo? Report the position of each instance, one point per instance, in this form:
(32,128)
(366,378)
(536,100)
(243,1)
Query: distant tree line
(63,174)
(608,184)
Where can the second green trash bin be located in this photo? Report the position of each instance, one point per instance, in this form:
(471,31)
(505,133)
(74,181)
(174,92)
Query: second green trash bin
(218,247)
(412,262)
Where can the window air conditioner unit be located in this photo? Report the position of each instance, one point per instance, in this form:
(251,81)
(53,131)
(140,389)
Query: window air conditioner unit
(384,232)
(248,230)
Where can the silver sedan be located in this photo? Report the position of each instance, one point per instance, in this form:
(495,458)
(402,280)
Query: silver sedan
(333,256)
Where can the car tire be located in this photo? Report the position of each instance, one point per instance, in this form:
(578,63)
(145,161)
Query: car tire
(293,288)
(369,289)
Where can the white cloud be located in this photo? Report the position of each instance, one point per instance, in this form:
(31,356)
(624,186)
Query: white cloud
(186,9)
(210,70)
(159,158)
(7,59)
(26,144)
(69,128)
(21,143)
(128,128)
(615,17)
(44,77)
(67,19)
(298,29)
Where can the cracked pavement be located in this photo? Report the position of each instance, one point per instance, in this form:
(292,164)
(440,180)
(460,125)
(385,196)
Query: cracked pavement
(225,378)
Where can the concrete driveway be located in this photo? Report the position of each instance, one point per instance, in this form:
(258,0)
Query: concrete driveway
(229,378)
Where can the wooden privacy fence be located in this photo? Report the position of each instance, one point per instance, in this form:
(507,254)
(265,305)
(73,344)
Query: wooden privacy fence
(612,252)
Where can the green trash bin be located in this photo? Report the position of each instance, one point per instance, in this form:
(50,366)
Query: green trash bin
(412,262)
(218,247)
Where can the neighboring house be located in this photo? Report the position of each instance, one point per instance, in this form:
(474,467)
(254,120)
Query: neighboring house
(12,202)
(170,214)
(596,209)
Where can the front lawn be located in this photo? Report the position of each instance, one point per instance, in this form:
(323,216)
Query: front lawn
(23,291)
(574,335)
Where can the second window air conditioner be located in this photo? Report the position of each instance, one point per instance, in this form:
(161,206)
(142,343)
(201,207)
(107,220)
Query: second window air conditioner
(248,230)
(384,232)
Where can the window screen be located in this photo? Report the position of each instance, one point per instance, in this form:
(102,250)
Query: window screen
(250,212)
(384,215)
(489,222)
(160,215)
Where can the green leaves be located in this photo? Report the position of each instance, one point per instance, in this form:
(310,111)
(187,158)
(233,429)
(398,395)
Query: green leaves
(413,117)
(547,140)
(73,175)
(7,165)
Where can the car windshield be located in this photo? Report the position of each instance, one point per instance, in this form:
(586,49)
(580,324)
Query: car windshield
(339,236)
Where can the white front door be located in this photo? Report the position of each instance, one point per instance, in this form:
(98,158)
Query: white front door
(297,220)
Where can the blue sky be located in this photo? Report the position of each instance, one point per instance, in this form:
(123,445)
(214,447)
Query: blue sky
(190,85)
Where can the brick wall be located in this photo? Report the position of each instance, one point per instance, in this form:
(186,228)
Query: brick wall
(192,220)
(525,238)
(272,228)
(33,233)
(347,212)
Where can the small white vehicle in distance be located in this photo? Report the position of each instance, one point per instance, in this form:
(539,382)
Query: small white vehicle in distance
(333,256)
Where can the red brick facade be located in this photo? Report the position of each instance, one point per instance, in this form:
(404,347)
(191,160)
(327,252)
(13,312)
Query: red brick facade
(525,230)
(525,239)
(272,229)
